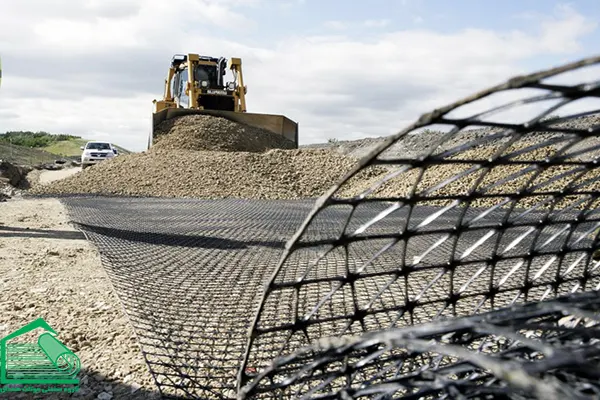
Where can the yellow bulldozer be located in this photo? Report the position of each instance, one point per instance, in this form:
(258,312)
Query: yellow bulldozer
(196,84)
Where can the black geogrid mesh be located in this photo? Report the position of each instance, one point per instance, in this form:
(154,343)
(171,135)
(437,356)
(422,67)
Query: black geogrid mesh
(467,358)
(188,273)
(478,220)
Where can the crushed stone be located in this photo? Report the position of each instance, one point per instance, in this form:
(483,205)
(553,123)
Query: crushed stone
(205,132)
(186,168)
(276,174)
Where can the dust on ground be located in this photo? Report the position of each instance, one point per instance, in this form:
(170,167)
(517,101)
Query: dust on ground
(49,270)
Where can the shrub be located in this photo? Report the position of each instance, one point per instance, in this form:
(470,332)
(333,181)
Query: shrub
(33,139)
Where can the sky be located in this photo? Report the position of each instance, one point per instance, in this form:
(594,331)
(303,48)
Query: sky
(342,69)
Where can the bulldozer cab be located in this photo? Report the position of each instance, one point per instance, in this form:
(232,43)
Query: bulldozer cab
(209,87)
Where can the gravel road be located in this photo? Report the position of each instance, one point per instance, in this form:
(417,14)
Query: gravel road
(51,176)
(51,271)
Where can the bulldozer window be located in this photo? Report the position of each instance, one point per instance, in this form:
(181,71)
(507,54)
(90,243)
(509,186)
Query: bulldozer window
(175,86)
(206,73)
(182,82)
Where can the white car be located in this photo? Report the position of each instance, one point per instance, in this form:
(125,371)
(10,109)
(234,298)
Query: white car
(94,152)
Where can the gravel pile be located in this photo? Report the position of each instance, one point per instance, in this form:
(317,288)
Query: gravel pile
(200,158)
(413,145)
(203,156)
(205,132)
(446,180)
(276,174)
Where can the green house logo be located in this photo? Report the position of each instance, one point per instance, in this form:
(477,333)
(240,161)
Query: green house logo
(47,362)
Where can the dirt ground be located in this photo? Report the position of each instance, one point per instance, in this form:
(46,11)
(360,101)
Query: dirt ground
(49,270)
(50,176)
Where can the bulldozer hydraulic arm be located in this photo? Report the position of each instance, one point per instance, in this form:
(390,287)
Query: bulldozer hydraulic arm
(235,64)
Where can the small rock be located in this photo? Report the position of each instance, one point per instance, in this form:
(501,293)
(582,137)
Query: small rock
(135,387)
(104,396)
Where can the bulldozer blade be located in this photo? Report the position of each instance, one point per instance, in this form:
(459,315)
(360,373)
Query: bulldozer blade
(277,124)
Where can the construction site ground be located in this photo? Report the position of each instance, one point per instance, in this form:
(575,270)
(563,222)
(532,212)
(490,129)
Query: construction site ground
(178,244)
(177,273)
(48,269)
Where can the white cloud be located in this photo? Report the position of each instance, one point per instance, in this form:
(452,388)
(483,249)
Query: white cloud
(344,25)
(90,77)
(560,35)
(417,19)
(376,23)
(338,25)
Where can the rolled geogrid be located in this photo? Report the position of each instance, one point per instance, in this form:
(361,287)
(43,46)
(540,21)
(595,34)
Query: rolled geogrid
(63,359)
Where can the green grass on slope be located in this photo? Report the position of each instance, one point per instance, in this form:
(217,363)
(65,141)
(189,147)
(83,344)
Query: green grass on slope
(25,155)
(71,148)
